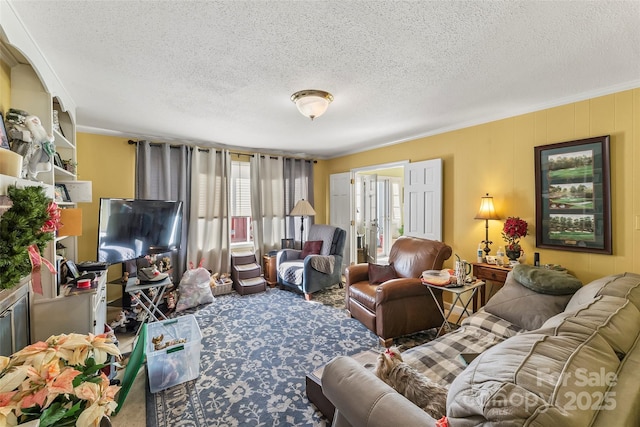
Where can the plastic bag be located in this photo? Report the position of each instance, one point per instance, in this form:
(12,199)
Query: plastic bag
(194,289)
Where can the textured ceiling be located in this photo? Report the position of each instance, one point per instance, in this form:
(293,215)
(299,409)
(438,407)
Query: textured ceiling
(221,73)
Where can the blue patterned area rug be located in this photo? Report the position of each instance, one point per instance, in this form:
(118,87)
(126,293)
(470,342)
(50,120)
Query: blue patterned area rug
(257,350)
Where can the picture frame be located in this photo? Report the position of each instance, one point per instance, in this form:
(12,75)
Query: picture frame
(287,243)
(573,195)
(57,160)
(61,193)
(4,138)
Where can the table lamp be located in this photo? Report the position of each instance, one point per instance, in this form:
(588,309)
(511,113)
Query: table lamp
(487,212)
(302,209)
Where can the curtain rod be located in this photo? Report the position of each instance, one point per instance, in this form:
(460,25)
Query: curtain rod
(206,150)
(159,144)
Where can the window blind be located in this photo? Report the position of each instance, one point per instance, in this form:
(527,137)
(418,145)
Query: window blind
(240,189)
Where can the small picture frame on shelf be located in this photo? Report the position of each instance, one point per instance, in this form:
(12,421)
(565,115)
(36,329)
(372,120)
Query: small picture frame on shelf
(61,193)
(57,160)
(4,140)
(287,243)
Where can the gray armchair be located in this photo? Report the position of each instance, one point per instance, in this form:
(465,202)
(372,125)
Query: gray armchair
(314,272)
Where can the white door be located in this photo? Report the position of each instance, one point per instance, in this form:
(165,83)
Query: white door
(340,209)
(370,203)
(423,199)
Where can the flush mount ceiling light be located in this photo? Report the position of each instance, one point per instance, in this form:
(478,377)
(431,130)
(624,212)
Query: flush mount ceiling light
(312,103)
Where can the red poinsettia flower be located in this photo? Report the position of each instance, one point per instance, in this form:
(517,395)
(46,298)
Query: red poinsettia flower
(514,229)
(53,223)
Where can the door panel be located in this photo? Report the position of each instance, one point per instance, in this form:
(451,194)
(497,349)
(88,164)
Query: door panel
(370,192)
(21,323)
(6,335)
(423,199)
(384,217)
(340,209)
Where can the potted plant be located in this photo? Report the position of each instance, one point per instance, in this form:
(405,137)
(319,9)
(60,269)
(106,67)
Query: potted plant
(514,229)
(58,382)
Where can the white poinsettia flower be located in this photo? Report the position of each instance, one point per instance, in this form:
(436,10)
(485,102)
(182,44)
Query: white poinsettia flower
(12,379)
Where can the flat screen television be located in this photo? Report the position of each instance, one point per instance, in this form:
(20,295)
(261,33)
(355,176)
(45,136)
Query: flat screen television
(133,228)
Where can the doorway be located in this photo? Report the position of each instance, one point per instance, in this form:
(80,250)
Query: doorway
(384,202)
(378,211)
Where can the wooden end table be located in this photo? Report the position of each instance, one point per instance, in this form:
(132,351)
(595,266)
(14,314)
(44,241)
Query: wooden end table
(493,275)
(269,268)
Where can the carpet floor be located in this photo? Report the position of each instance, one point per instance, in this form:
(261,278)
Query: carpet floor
(257,350)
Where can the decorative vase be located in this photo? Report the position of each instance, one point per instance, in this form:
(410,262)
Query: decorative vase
(513,255)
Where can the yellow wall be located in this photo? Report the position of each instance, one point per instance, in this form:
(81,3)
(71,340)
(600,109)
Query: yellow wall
(321,174)
(498,158)
(109,163)
(5,88)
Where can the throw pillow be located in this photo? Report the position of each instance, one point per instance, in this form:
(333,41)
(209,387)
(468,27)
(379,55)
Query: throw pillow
(524,307)
(312,247)
(381,273)
(546,281)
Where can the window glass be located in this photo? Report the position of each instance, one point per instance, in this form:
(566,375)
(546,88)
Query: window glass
(241,230)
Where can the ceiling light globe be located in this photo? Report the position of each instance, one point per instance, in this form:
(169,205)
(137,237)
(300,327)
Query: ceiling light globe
(312,103)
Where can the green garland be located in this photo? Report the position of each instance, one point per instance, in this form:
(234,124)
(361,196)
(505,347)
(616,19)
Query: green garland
(21,227)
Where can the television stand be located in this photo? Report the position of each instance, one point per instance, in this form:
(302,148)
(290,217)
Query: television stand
(125,298)
(148,296)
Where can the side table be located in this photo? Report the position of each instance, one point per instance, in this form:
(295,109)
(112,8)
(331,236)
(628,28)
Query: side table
(269,268)
(457,292)
(491,274)
(148,296)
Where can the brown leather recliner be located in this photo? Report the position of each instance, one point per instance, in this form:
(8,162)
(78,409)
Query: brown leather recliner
(403,305)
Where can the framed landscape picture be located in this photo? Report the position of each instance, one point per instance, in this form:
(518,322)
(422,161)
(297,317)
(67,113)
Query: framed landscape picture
(573,196)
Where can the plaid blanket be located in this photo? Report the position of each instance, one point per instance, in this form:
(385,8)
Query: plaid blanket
(440,360)
(291,271)
(324,264)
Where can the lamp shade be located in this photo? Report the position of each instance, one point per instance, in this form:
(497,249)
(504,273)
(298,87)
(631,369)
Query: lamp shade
(302,208)
(487,211)
(312,103)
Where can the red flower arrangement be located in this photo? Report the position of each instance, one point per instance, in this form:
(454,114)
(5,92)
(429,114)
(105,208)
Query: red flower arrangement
(53,222)
(514,229)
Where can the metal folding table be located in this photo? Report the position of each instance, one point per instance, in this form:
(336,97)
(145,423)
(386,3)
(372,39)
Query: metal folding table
(149,303)
(458,291)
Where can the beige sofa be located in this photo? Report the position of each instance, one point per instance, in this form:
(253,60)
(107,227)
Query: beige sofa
(580,367)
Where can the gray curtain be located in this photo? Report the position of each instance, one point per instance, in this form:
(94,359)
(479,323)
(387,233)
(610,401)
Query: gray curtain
(267,203)
(209,225)
(163,173)
(298,184)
